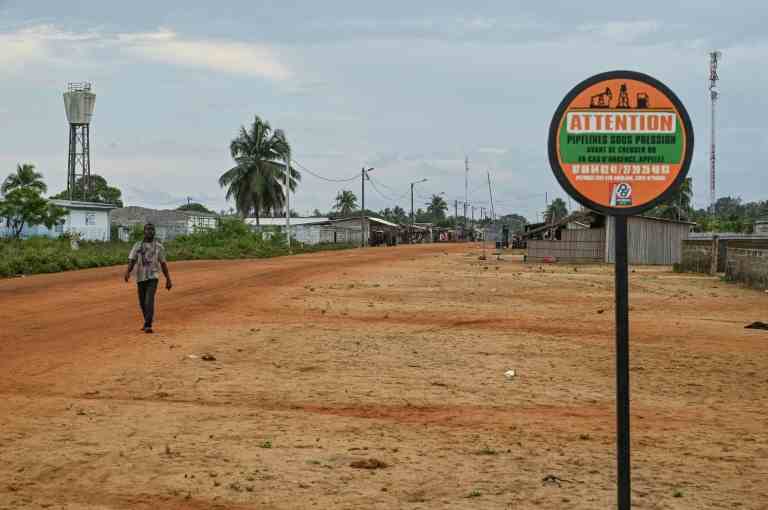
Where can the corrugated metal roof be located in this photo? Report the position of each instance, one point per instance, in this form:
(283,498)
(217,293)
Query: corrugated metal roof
(371,219)
(77,204)
(280,222)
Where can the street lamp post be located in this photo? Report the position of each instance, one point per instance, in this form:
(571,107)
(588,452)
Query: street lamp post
(413,217)
(363,177)
(288,200)
(464,219)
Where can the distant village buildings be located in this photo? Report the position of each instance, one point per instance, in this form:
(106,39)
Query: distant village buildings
(169,224)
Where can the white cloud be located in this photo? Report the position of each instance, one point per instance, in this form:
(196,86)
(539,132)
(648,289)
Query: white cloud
(224,56)
(622,31)
(492,150)
(20,47)
(48,43)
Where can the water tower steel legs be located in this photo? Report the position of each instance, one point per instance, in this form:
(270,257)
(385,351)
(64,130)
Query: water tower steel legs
(79,163)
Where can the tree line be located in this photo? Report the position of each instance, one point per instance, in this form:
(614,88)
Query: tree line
(256,185)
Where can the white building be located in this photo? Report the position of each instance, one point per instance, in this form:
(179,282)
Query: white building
(324,230)
(89,219)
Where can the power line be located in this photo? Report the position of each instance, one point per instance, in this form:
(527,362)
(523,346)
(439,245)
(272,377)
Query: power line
(383,195)
(391,188)
(310,172)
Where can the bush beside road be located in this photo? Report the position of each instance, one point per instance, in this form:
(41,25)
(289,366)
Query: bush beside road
(232,240)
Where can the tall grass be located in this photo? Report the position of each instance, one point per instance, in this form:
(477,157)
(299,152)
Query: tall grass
(232,240)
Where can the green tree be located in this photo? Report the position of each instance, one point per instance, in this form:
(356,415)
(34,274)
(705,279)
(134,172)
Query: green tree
(437,207)
(194,206)
(317,214)
(25,177)
(101,192)
(256,181)
(515,222)
(422,216)
(678,206)
(556,211)
(345,203)
(23,204)
(399,215)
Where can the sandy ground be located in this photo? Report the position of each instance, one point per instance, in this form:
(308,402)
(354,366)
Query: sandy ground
(392,354)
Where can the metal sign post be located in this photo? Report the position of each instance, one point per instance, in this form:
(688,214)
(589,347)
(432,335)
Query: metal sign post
(621,271)
(620,143)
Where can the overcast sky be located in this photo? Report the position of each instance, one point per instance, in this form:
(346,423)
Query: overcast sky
(406,87)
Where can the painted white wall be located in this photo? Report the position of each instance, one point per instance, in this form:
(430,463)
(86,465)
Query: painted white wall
(196,223)
(92,225)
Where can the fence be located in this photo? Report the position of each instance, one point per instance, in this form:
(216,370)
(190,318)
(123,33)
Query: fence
(578,245)
(749,267)
(696,257)
(697,252)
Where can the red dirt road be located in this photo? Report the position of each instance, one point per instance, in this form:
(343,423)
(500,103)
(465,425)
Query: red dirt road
(395,354)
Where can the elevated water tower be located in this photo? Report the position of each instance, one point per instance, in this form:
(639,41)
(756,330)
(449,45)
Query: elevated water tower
(79,101)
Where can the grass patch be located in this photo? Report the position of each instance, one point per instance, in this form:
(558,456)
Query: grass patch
(487,451)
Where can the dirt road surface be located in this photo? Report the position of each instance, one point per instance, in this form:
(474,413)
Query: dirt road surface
(391,354)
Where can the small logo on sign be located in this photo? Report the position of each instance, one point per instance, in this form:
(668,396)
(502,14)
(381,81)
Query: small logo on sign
(623,194)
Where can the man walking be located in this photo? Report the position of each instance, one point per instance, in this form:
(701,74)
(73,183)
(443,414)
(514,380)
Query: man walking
(148,257)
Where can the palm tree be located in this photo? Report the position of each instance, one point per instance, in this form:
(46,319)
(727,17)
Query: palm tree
(557,210)
(346,201)
(399,215)
(25,177)
(678,207)
(437,207)
(256,181)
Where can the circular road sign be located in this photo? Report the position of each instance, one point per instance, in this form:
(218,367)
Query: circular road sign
(620,142)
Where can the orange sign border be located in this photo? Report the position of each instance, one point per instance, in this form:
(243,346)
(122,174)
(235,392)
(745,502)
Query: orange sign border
(554,128)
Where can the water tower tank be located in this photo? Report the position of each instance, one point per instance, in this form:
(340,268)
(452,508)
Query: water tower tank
(79,102)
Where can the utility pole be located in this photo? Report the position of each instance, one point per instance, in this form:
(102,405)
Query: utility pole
(413,217)
(714,59)
(490,192)
(456,212)
(363,177)
(466,189)
(288,199)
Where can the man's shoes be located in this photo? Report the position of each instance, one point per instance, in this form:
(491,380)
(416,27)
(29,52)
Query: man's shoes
(148,330)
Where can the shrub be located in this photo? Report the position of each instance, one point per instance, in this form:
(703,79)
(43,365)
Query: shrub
(233,239)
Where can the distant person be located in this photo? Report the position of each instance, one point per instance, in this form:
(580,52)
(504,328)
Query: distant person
(148,257)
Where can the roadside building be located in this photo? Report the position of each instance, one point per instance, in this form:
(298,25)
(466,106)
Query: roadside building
(378,232)
(169,224)
(305,230)
(588,237)
(444,234)
(89,220)
(761,226)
